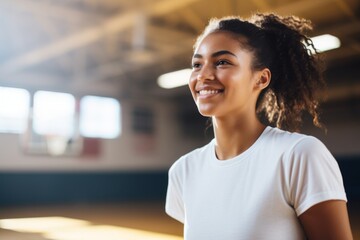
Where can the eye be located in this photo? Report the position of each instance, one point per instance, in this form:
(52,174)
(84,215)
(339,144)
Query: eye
(222,62)
(196,65)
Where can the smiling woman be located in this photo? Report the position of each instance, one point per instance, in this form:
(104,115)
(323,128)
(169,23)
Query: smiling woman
(258,178)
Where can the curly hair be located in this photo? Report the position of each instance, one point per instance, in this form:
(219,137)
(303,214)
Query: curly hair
(280,44)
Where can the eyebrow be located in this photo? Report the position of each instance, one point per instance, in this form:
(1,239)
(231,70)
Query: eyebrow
(216,54)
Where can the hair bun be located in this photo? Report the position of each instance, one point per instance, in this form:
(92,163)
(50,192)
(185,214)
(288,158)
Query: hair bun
(272,21)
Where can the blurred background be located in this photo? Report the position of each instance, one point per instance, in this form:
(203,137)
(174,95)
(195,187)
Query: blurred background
(86,132)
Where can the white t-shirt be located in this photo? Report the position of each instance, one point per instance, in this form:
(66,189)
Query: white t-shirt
(258,194)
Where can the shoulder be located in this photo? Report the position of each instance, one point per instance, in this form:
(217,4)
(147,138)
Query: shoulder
(282,135)
(194,157)
(296,145)
(308,147)
(308,152)
(283,140)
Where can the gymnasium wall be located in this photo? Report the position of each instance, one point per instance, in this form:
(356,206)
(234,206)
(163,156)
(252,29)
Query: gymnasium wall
(134,166)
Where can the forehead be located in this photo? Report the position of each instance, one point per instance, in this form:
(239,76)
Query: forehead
(221,40)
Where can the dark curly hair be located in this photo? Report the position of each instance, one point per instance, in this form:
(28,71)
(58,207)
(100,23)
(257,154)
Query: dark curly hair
(280,44)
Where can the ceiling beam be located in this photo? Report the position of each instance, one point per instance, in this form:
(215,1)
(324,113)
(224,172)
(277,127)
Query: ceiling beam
(297,7)
(343,92)
(346,8)
(167,6)
(262,5)
(117,68)
(342,29)
(49,10)
(87,36)
(193,19)
(227,7)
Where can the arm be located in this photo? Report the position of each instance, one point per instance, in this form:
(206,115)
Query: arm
(327,220)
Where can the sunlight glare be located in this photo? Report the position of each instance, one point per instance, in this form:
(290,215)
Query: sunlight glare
(63,228)
(107,232)
(40,224)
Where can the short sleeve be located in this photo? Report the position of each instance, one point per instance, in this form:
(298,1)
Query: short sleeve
(314,175)
(174,206)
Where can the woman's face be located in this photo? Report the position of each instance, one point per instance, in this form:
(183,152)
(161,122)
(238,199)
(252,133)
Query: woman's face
(222,81)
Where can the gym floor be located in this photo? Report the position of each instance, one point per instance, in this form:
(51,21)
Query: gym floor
(120,221)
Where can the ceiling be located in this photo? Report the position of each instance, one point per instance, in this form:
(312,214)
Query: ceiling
(119,47)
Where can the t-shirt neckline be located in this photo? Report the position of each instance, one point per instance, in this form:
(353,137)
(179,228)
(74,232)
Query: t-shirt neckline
(239,158)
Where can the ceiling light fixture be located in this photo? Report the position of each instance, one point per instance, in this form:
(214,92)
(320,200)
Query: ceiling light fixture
(174,79)
(325,42)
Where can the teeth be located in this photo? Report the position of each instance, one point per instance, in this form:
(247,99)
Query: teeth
(208,92)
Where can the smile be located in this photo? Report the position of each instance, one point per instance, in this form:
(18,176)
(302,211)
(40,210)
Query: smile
(208,92)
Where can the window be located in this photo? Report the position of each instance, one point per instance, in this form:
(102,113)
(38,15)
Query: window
(54,113)
(99,117)
(14,109)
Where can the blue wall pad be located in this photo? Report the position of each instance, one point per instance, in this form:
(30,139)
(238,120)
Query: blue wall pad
(29,188)
(350,169)
(33,188)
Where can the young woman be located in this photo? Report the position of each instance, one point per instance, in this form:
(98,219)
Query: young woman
(258,178)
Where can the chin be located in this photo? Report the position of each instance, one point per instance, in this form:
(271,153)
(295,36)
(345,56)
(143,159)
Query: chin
(206,112)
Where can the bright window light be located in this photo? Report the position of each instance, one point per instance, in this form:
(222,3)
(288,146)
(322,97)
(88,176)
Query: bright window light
(174,79)
(54,113)
(99,117)
(325,42)
(14,109)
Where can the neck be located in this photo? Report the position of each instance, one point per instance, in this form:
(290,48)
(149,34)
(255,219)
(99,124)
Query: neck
(234,136)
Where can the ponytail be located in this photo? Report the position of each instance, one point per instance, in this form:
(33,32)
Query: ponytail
(296,72)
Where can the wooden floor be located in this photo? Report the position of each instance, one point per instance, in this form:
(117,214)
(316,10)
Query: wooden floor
(125,221)
(122,221)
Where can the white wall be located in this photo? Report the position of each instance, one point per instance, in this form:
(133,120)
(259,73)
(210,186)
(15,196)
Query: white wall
(128,152)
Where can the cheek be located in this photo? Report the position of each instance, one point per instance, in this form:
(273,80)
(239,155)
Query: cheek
(192,83)
(227,79)
(191,86)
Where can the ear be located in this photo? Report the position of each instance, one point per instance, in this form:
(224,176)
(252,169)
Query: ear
(263,79)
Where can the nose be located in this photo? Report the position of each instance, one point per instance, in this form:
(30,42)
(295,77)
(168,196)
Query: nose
(205,74)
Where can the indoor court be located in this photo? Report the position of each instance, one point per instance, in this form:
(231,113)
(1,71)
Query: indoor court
(88,131)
